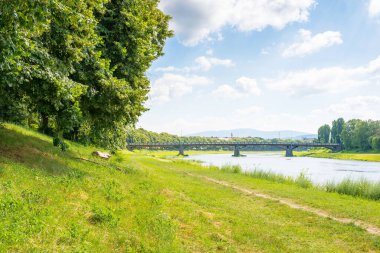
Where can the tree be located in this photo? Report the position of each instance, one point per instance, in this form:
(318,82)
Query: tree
(80,64)
(375,143)
(361,135)
(324,134)
(347,133)
(20,22)
(133,34)
(336,130)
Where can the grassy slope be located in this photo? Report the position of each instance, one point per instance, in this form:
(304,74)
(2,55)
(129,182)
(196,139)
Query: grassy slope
(370,157)
(50,201)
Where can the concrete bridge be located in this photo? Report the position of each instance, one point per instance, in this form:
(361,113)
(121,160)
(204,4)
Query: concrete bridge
(181,147)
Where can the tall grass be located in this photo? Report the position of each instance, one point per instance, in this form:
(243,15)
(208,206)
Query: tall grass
(358,188)
(231,168)
(268,175)
(302,180)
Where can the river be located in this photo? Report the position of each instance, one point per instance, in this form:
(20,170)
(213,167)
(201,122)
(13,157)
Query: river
(319,170)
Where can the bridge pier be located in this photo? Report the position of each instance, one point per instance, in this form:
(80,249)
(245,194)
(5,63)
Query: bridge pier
(337,149)
(181,151)
(237,152)
(289,151)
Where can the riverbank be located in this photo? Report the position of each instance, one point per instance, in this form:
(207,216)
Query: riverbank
(53,201)
(369,157)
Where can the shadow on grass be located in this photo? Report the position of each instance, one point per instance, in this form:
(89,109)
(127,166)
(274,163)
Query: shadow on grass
(35,153)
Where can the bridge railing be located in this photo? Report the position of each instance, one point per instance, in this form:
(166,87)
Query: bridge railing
(234,144)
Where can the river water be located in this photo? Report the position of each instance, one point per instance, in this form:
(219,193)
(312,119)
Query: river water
(319,170)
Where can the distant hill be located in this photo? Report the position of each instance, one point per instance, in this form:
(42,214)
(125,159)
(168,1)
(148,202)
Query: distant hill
(283,134)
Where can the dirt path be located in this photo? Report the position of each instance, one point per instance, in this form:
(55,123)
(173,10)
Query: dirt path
(371,229)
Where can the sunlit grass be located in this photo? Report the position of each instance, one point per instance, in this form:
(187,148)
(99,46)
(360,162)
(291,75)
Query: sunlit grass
(359,188)
(325,153)
(51,201)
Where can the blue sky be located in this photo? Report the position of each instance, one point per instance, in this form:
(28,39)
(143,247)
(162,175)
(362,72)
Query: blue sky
(265,64)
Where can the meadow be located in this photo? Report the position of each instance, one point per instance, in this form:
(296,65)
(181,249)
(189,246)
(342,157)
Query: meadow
(54,201)
(346,155)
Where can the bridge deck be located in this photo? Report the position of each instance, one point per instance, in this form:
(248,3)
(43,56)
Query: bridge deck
(241,144)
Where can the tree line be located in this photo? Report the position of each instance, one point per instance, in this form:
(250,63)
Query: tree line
(76,69)
(143,136)
(355,134)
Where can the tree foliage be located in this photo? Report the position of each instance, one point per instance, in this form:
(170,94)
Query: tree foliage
(79,66)
(324,134)
(336,130)
(355,134)
(375,142)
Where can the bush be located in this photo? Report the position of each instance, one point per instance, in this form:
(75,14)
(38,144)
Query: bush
(58,142)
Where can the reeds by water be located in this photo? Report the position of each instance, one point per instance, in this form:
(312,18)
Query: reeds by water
(359,188)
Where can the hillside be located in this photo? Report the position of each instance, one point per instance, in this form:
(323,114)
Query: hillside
(246,132)
(53,201)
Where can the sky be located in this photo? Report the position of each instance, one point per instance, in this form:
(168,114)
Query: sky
(265,64)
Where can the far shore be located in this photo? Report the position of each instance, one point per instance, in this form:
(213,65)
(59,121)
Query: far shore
(369,157)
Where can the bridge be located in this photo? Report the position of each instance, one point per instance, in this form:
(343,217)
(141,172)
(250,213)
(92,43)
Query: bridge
(181,147)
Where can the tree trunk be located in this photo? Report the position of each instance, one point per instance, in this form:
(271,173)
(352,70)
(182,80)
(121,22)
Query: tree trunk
(44,123)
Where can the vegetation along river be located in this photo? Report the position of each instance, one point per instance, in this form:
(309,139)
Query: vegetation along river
(319,170)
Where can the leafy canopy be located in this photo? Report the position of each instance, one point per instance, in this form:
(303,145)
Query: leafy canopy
(79,65)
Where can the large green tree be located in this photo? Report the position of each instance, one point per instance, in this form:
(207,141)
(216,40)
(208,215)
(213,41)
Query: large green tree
(324,133)
(375,143)
(132,35)
(336,130)
(80,65)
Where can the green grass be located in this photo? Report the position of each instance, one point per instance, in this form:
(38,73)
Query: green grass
(302,180)
(322,153)
(361,188)
(358,188)
(53,202)
(231,168)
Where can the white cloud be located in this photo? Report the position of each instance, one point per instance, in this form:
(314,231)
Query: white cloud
(244,86)
(248,85)
(226,91)
(359,107)
(171,86)
(203,63)
(332,80)
(374,8)
(256,117)
(173,69)
(206,63)
(249,110)
(309,44)
(197,20)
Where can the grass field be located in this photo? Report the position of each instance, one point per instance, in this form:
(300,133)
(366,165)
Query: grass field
(137,202)
(370,157)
